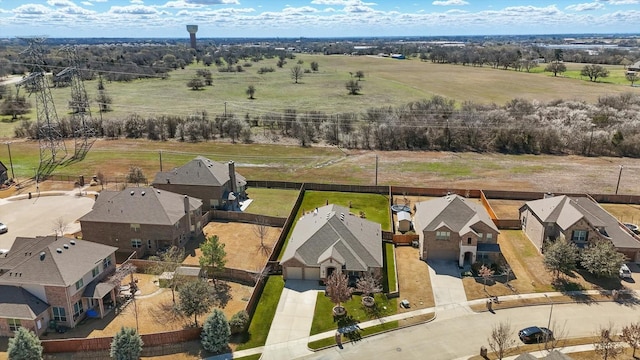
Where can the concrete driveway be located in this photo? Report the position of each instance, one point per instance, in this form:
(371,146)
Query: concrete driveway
(446,283)
(291,324)
(37,216)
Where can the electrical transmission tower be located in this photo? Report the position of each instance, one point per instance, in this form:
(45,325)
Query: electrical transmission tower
(52,146)
(83,131)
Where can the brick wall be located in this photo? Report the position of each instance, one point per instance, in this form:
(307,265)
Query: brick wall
(57,297)
(204,193)
(247,217)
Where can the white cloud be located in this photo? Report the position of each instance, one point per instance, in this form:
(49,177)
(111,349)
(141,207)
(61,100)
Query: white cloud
(137,2)
(620,2)
(86,3)
(304,9)
(60,3)
(32,9)
(450,3)
(133,10)
(329,2)
(213,2)
(585,6)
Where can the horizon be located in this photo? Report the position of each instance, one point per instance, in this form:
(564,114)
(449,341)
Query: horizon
(313,18)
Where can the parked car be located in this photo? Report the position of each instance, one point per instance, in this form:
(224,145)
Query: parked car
(624,272)
(632,227)
(535,334)
(3,228)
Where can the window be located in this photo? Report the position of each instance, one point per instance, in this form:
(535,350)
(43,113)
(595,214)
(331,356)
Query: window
(480,236)
(136,243)
(59,314)
(524,221)
(106,262)
(579,235)
(79,284)
(443,235)
(95,271)
(149,244)
(489,236)
(135,227)
(214,203)
(468,241)
(14,324)
(77,309)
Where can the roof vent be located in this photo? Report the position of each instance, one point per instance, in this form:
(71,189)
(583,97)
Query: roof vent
(158,191)
(131,193)
(342,216)
(66,246)
(59,251)
(142,193)
(72,242)
(42,255)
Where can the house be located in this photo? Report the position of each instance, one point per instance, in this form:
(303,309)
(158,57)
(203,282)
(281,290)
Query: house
(331,239)
(4,174)
(404,221)
(54,280)
(218,185)
(142,220)
(578,219)
(457,229)
(634,67)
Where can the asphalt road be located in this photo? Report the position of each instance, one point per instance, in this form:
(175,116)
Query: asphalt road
(461,337)
(38,216)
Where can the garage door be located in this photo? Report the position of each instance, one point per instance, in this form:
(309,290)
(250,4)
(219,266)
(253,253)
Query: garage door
(442,254)
(312,274)
(294,273)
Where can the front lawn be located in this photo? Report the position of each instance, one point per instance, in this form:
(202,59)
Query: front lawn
(323,319)
(389,276)
(263,316)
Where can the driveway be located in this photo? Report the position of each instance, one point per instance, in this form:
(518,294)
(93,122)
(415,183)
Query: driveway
(289,332)
(38,216)
(446,282)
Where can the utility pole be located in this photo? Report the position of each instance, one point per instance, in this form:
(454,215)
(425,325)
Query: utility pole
(376,169)
(590,140)
(548,322)
(13,175)
(225,110)
(160,160)
(619,176)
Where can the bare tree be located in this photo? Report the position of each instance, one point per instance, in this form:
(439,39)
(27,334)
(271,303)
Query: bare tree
(631,335)
(251,91)
(59,226)
(605,345)
(338,289)
(297,73)
(501,339)
(353,86)
(261,230)
(485,273)
(169,261)
(368,284)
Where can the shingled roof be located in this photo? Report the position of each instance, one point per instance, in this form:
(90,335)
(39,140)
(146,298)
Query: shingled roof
(18,303)
(453,211)
(52,262)
(566,211)
(199,171)
(331,231)
(139,205)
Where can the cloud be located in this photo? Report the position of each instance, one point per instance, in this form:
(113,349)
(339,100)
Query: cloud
(60,3)
(450,3)
(137,2)
(86,3)
(213,2)
(622,2)
(304,9)
(585,6)
(133,10)
(32,9)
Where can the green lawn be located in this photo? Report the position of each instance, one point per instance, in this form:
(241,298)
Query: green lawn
(263,316)
(249,357)
(323,319)
(389,325)
(375,207)
(389,276)
(271,202)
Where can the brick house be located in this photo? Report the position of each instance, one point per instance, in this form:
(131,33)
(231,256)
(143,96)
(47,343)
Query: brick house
(54,278)
(331,239)
(578,219)
(457,229)
(218,185)
(142,220)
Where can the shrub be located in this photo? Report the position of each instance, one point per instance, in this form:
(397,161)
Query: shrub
(239,322)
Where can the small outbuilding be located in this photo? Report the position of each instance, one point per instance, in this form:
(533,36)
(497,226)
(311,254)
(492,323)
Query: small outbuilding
(404,221)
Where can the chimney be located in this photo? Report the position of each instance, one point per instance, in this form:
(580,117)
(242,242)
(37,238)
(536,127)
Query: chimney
(186,211)
(232,177)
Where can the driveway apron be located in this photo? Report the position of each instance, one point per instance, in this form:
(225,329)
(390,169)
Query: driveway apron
(448,291)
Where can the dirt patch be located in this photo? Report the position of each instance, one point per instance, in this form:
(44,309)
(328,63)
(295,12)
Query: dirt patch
(506,209)
(242,244)
(413,279)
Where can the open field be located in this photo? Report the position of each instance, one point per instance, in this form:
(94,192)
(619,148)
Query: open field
(387,82)
(628,213)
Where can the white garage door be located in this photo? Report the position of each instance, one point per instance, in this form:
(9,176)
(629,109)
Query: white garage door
(312,274)
(294,273)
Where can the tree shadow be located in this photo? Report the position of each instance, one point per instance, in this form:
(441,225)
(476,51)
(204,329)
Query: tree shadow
(221,293)
(572,289)
(348,326)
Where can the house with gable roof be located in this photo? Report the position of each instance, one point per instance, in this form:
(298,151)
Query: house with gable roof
(55,279)
(577,219)
(457,229)
(331,239)
(218,185)
(142,220)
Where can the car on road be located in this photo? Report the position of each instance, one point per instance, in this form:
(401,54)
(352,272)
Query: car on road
(535,334)
(3,228)
(633,227)
(624,272)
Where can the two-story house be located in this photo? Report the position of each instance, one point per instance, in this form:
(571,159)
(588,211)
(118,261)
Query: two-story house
(54,279)
(142,220)
(218,185)
(457,229)
(578,219)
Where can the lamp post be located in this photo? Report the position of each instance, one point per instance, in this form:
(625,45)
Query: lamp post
(546,335)
(619,176)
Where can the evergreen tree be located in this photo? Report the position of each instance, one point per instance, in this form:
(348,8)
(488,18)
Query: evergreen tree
(25,345)
(602,259)
(560,256)
(215,332)
(126,345)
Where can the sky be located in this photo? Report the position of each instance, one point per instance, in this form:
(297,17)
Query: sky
(313,18)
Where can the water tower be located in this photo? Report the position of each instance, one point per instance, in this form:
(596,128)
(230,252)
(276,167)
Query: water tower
(192,29)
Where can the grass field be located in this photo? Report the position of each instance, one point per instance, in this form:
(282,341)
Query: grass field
(271,202)
(263,316)
(387,82)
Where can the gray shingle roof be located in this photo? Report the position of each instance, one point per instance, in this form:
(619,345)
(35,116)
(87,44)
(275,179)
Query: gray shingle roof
(139,205)
(566,211)
(199,171)
(332,232)
(453,211)
(98,289)
(18,303)
(45,265)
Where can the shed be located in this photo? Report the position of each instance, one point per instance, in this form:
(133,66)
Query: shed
(187,273)
(404,221)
